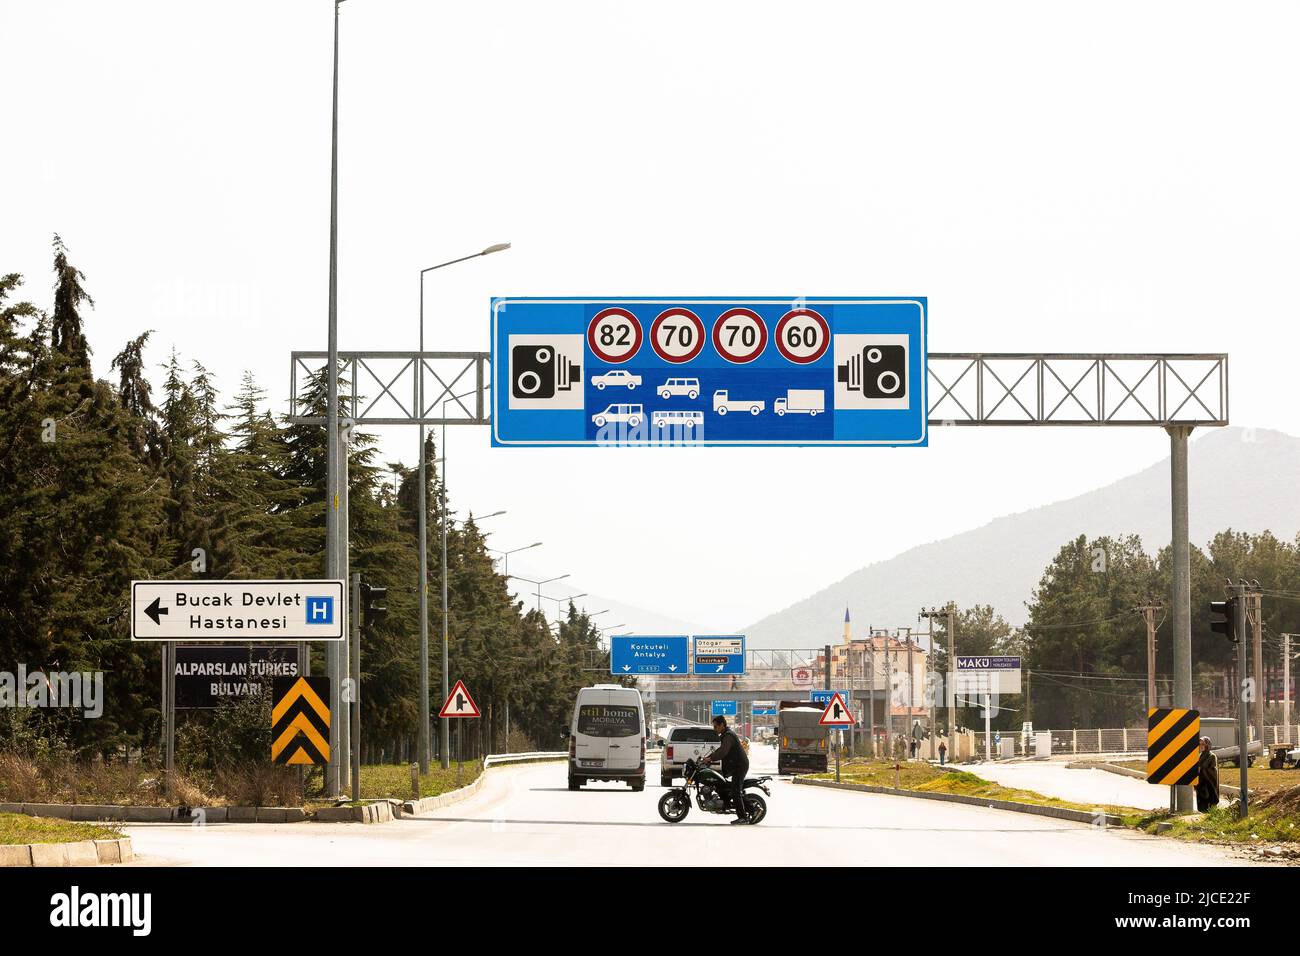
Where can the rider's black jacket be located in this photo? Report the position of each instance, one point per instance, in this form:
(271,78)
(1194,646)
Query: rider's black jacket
(732,754)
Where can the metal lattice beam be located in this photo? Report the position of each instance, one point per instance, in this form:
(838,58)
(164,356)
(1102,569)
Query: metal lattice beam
(382,387)
(974,388)
(1077,389)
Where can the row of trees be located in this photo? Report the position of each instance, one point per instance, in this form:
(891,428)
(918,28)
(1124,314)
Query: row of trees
(1086,645)
(102,482)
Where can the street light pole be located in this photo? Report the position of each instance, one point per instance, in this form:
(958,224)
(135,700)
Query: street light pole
(333,536)
(423,743)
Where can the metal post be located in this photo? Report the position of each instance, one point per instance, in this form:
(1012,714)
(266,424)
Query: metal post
(332,535)
(1181,597)
(442,516)
(951,695)
(1257,668)
(355,731)
(988,720)
(1286,687)
(171,712)
(344,719)
(1243,718)
(424,744)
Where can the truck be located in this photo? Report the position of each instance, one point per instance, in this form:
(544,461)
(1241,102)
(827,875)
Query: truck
(801,401)
(723,403)
(801,739)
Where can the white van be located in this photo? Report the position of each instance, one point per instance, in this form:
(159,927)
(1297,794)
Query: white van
(607,736)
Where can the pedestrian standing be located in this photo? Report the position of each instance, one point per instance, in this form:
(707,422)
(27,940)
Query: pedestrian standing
(943,752)
(1207,778)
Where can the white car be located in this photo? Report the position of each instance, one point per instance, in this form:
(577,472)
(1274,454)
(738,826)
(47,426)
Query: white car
(682,744)
(690,387)
(631,414)
(616,376)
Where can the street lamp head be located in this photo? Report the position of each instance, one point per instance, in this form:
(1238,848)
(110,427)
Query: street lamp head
(499,247)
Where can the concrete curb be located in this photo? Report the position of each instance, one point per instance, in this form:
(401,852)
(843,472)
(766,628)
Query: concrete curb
(1224,789)
(415,807)
(1060,813)
(378,812)
(80,853)
(87,813)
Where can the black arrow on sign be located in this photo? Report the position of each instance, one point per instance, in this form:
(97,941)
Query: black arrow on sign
(154,610)
(460,704)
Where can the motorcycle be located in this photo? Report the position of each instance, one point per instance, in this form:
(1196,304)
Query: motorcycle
(712,795)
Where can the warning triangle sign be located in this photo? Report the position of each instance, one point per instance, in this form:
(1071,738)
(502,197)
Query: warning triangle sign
(837,713)
(459,703)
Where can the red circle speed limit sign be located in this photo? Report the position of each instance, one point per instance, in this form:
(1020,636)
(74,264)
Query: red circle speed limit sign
(677,335)
(802,336)
(614,335)
(739,335)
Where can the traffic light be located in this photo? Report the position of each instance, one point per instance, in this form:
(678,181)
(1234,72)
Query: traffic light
(372,603)
(1228,626)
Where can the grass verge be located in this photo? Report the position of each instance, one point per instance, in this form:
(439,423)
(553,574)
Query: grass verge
(393,781)
(1275,818)
(927,778)
(18,828)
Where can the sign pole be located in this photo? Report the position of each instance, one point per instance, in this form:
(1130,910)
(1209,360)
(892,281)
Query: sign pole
(1243,705)
(354,732)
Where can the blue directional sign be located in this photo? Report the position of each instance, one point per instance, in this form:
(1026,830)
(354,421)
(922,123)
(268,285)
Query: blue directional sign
(824,697)
(764,711)
(709,371)
(724,708)
(719,653)
(649,655)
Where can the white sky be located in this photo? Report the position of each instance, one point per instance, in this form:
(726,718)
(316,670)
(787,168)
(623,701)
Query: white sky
(1101,177)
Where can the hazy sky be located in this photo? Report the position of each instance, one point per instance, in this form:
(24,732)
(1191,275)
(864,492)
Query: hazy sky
(1100,177)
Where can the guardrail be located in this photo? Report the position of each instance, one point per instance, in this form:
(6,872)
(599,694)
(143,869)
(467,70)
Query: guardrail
(492,760)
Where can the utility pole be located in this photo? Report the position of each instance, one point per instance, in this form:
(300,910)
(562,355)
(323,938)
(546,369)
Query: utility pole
(889,699)
(356,687)
(1243,730)
(1148,612)
(871,687)
(950,689)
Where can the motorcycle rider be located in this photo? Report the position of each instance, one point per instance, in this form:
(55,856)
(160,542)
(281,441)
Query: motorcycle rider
(735,765)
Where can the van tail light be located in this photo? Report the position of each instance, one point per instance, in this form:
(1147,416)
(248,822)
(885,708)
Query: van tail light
(643,750)
(669,752)
(573,747)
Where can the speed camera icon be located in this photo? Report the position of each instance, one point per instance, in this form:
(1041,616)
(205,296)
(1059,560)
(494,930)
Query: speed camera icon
(546,371)
(871,371)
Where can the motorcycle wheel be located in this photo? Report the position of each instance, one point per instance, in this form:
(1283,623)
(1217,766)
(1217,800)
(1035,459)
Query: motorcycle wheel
(674,805)
(756,807)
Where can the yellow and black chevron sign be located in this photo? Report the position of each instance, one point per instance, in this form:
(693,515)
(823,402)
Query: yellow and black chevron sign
(300,720)
(1173,746)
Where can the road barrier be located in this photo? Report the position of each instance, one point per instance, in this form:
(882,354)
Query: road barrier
(495,760)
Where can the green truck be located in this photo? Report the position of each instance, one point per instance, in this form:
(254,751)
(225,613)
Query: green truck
(801,739)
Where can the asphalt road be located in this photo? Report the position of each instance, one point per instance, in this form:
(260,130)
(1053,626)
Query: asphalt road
(526,815)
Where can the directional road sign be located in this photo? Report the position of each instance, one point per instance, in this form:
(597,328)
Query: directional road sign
(207,675)
(764,711)
(837,713)
(724,708)
(719,654)
(220,610)
(640,654)
(1173,746)
(459,703)
(824,697)
(708,371)
(300,720)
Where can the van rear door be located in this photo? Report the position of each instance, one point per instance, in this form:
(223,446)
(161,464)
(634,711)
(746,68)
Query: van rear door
(591,745)
(626,726)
